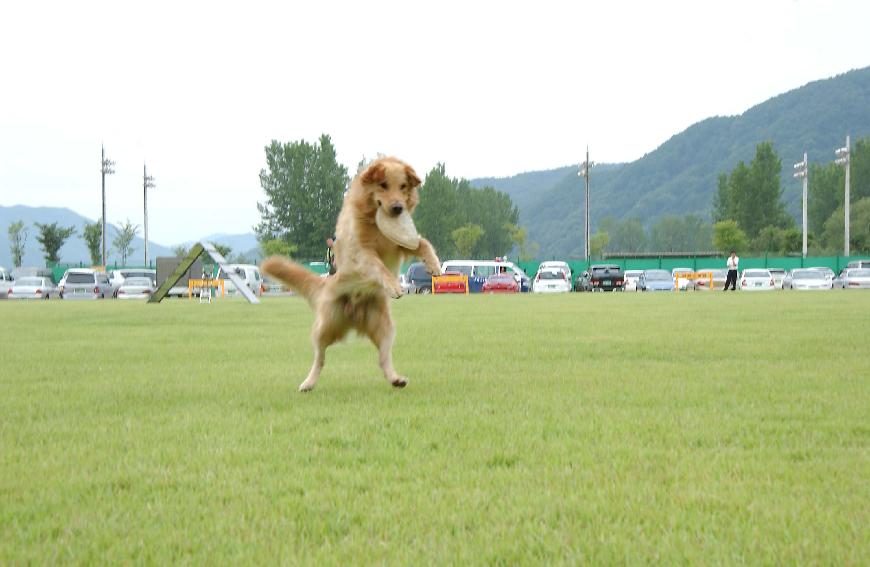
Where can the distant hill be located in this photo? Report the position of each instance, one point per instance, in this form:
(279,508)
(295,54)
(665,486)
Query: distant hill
(679,177)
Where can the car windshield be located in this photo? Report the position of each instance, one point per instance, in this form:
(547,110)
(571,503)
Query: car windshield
(657,275)
(756,274)
(604,269)
(633,274)
(551,275)
(465,270)
(859,273)
(137,281)
(418,272)
(776,271)
(825,271)
(808,275)
(80,278)
(29,282)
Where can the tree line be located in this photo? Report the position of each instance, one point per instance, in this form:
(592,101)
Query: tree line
(304,187)
(748,213)
(51,238)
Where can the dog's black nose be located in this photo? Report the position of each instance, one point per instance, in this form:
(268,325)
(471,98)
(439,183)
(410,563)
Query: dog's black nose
(397,209)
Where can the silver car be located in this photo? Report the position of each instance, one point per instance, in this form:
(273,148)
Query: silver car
(778,275)
(136,288)
(6,282)
(806,279)
(829,275)
(84,283)
(30,287)
(855,278)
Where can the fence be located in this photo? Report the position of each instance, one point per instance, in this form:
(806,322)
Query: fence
(696,263)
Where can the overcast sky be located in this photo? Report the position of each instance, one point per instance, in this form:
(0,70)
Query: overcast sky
(197,89)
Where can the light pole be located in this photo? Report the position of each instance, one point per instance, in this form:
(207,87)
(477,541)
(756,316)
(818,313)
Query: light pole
(105,169)
(147,183)
(843,158)
(800,172)
(584,173)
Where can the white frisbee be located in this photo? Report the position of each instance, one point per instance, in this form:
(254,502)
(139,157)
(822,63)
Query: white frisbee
(400,229)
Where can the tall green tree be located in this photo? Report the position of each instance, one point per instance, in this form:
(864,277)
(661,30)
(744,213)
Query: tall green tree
(465,238)
(825,194)
(727,236)
(859,229)
(17,242)
(598,243)
(52,238)
(629,236)
(722,206)
(277,247)
(304,185)
(91,235)
(122,243)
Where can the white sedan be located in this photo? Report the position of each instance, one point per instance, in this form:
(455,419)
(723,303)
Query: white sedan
(136,288)
(630,278)
(551,281)
(808,279)
(757,280)
(33,288)
(855,278)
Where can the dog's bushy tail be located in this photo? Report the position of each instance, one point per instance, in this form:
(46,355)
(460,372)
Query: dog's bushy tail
(301,280)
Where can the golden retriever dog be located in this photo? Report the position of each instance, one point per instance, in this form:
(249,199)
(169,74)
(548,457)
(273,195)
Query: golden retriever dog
(367,262)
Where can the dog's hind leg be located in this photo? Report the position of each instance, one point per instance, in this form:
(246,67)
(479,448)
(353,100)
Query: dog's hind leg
(322,337)
(383,335)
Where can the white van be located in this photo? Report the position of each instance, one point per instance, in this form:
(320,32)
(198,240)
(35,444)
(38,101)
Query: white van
(478,270)
(249,273)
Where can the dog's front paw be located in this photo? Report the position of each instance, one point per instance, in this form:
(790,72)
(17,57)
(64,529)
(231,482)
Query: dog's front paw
(399,382)
(433,267)
(394,288)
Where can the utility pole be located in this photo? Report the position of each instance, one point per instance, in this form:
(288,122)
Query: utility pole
(105,169)
(584,172)
(844,159)
(147,183)
(800,172)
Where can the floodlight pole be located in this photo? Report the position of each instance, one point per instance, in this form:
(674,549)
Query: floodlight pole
(802,173)
(844,159)
(147,183)
(584,172)
(105,169)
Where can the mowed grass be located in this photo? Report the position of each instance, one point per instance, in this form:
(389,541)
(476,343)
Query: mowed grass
(606,428)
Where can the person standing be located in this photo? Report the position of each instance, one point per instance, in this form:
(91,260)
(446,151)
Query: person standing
(330,255)
(732,264)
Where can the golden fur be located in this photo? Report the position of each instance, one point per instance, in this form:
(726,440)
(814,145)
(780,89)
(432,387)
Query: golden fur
(357,296)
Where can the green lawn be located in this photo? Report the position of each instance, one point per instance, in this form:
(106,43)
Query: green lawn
(606,428)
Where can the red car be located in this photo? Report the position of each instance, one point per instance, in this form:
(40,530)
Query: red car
(500,283)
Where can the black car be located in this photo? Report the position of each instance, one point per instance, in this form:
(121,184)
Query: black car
(601,277)
(419,280)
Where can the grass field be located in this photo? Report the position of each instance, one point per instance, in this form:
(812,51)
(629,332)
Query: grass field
(611,428)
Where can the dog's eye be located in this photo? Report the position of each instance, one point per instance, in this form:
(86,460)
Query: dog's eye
(383,184)
(404,186)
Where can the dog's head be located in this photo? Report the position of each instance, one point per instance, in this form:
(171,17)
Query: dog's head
(390,184)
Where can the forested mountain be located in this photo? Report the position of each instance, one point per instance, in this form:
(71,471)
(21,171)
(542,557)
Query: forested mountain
(679,177)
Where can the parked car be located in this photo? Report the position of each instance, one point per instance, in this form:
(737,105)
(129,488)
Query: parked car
(136,288)
(829,275)
(778,275)
(84,283)
(33,288)
(756,280)
(630,278)
(403,281)
(501,283)
(683,283)
(551,280)
(719,278)
(855,278)
(117,277)
(419,280)
(858,264)
(559,265)
(6,282)
(601,277)
(655,280)
(806,279)
(248,273)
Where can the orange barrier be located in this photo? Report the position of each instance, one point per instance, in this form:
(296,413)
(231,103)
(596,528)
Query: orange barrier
(447,280)
(692,276)
(205,284)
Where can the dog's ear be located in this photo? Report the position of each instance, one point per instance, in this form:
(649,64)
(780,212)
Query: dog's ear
(375,173)
(413,180)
